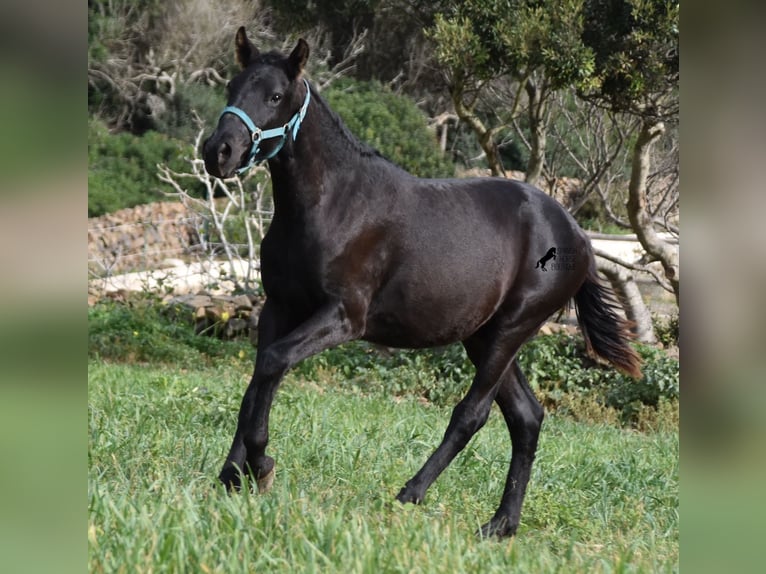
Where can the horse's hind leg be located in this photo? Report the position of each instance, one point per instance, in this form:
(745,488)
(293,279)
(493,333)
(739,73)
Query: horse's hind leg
(524,416)
(469,416)
(492,361)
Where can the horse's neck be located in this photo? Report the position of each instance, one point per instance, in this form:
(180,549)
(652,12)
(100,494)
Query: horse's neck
(323,152)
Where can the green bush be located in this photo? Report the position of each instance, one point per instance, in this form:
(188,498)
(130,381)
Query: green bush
(390,123)
(556,366)
(122,167)
(144,331)
(666,329)
(439,375)
(191,101)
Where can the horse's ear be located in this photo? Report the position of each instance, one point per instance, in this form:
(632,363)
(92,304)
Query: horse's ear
(297,59)
(246,52)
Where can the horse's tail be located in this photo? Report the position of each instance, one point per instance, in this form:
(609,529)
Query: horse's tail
(607,335)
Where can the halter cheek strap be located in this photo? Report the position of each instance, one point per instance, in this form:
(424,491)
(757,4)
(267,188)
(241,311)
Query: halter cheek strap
(257,135)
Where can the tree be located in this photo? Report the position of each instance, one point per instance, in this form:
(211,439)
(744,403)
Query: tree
(143,53)
(392,30)
(594,146)
(635,44)
(536,44)
(343,20)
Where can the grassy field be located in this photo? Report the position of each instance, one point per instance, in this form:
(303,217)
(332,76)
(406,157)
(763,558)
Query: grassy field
(601,499)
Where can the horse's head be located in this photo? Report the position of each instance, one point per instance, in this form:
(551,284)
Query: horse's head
(266,103)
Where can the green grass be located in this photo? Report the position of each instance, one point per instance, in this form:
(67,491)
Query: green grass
(601,499)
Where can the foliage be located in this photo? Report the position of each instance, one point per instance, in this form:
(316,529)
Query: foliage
(556,365)
(112,21)
(391,123)
(466,151)
(142,55)
(636,47)
(459,45)
(120,35)
(501,56)
(666,329)
(600,499)
(122,167)
(439,375)
(390,28)
(143,330)
(340,18)
(190,106)
(481,40)
(635,44)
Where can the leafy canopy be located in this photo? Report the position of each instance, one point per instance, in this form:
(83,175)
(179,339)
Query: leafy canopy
(484,39)
(635,44)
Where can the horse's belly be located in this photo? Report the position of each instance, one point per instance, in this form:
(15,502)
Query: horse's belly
(427,317)
(392,333)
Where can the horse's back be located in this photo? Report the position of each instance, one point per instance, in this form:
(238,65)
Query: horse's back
(491,222)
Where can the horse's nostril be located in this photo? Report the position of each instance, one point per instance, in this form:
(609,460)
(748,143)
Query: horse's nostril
(224,152)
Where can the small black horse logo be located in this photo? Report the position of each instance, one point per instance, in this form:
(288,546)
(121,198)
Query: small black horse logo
(550,255)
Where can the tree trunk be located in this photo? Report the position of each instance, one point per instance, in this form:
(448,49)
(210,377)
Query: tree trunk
(638,210)
(537,133)
(483,134)
(633,303)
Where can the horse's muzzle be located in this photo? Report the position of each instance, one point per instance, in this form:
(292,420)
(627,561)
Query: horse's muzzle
(223,153)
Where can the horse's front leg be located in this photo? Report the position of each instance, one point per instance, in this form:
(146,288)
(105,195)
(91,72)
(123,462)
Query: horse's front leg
(271,325)
(328,327)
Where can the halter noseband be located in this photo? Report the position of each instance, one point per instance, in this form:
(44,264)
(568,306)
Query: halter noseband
(258,135)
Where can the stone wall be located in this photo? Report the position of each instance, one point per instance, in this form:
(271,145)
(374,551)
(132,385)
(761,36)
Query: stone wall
(139,238)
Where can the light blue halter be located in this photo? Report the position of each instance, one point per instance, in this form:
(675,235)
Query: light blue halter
(258,135)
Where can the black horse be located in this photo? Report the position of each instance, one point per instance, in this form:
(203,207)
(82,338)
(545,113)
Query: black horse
(360,249)
(551,254)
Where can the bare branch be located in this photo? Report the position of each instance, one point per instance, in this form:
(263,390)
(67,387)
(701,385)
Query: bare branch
(355,48)
(218,214)
(642,268)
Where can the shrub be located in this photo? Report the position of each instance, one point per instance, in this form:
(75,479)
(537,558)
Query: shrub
(556,368)
(141,330)
(666,329)
(390,123)
(190,101)
(556,365)
(439,375)
(122,167)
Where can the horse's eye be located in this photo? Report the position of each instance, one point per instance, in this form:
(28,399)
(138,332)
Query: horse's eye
(276,98)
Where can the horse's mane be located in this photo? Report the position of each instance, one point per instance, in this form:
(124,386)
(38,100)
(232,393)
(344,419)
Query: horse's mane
(337,126)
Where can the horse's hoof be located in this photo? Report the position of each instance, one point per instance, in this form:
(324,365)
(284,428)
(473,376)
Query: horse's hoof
(230,478)
(408,495)
(497,528)
(265,482)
